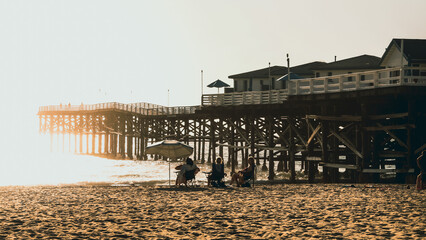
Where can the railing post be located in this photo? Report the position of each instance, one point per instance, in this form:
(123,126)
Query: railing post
(325,85)
(311,86)
(297,87)
(401,76)
(376,79)
(357,81)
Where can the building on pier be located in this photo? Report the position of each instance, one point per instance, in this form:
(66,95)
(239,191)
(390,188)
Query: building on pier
(414,53)
(262,79)
(361,63)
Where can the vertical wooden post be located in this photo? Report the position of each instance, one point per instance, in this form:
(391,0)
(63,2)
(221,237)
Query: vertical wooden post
(291,151)
(365,145)
(187,131)
(246,144)
(114,137)
(81,136)
(270,128)
(122,137)
(310,150)
(252,137)
(195,139)
(324,150)
(231,149)
(199,136)
(63,133)
(129,133)
(142,139)
(106,142)
(411,160)
(203,142)
(213,139)
(334,172)
(220,130)
(51,132)
(93,120)
(100,143)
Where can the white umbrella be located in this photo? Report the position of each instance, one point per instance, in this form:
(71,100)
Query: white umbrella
(171,149)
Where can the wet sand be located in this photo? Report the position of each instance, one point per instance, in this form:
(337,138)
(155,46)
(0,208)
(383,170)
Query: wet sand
(326,211)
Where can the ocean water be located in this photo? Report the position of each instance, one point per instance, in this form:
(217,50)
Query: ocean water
(30,161)
(38,159)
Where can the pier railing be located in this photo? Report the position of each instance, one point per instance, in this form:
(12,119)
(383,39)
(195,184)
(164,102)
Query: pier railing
(388,77)
(138,108)
(240,98)
(359,81)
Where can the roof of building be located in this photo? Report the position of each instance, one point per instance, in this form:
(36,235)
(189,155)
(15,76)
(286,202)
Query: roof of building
(414,49)
(360,62)
(302,70)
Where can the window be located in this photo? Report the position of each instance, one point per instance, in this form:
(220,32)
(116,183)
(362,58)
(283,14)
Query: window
(329,74)
(395,73)
(317,74)
(245,85)
(416,72)
(362,77)
(350,78)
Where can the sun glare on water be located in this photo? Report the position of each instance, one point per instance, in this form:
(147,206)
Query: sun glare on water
(34,164)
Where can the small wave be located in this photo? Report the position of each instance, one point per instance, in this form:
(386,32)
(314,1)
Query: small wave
(127,176)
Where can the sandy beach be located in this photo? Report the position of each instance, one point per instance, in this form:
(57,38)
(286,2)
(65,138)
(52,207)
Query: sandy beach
(325,211)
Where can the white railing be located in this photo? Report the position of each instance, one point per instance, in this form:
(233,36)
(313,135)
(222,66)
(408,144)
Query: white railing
(359,81)
(242,98)
(138,108)
(388,77)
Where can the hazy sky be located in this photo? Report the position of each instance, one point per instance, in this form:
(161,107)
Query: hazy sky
(55,51)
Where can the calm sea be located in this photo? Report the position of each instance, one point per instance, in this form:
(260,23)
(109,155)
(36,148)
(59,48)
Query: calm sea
(31,160)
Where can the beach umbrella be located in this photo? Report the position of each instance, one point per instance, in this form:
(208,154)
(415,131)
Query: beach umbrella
(218,84)
(171,149)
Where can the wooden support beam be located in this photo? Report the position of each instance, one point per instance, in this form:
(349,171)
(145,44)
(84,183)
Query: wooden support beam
(339,165)
(387,128)
(344,118)
(347,143)
(313,134)
(238,130)
(386,116)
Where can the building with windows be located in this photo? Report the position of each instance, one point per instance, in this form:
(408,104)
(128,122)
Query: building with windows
(414,53)
(361,63)
(266,78)
(359,67)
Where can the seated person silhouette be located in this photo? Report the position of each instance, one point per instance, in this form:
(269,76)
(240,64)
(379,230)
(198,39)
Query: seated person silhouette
(215,178)
(242,177)
(186,172)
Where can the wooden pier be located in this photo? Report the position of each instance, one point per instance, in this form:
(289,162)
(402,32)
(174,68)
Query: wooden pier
(374,127)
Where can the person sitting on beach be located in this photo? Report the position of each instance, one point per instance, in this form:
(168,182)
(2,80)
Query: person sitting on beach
(187,172)
(421,178)
(247,173)
(217,174)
